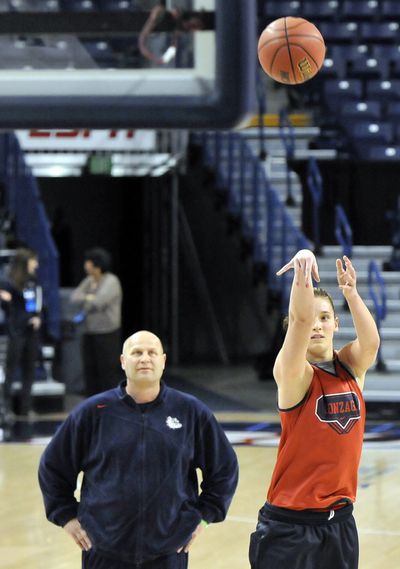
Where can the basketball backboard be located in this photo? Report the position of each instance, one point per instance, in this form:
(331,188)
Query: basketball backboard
(79,63)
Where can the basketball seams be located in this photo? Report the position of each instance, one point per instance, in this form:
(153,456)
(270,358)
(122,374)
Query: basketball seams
(290,54)
(301,22)
(283,36)
(275,56)
(290,28)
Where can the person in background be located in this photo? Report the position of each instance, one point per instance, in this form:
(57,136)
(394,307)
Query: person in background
(179,21)
(139,446)
(22,301)
(98,299)
(307,521)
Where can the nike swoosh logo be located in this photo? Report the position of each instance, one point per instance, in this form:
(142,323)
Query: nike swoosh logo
(101,406)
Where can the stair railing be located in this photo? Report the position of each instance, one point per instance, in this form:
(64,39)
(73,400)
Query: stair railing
(289,142)
(261,91)
(343,231)
(315,187)
(375,280)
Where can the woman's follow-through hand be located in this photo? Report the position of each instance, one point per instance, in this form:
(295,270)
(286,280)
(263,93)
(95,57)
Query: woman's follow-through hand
(304,262)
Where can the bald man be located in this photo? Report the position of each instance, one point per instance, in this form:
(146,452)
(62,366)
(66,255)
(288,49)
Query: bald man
(139,446)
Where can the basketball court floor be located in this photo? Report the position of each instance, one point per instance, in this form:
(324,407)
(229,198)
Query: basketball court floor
(245,406)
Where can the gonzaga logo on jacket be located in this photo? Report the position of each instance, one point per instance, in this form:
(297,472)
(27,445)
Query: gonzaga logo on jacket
(173,423)
(340,410)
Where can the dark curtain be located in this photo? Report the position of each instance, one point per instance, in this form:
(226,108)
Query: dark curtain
(366,190)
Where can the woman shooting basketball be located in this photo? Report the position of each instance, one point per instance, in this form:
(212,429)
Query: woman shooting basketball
(307,521)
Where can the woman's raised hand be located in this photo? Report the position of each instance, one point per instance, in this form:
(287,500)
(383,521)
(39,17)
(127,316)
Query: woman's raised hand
(304,262)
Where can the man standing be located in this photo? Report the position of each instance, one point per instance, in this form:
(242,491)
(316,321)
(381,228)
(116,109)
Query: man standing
(99,298)
(139,446)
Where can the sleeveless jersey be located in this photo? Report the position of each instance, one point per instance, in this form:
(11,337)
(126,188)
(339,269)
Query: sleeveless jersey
(321,441)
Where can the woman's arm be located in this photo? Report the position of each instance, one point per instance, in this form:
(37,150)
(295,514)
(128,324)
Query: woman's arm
(107,293)
(361,353)
(292,372)
(79,295)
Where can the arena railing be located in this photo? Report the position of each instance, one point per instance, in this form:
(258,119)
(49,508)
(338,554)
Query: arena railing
(263,218)
(288,138)
(379,299)
(343,231)
(315,187)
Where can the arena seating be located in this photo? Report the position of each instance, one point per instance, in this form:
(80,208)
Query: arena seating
(360,79)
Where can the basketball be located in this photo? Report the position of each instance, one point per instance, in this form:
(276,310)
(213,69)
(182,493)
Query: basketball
(291,50)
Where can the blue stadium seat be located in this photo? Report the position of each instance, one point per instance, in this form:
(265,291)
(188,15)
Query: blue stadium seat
(333,67)
(273,10)
(30,6)
(319,11)
(118,5)
(379,31)
(347,52)
(364,135)
(356,61)
(390,8)
(383,90)
(361,110)
(79,5)
(383,152)
(394,67)
(339,31)
(336,92)
(366,66)
(365,131)
(360,9)
(393,111)
(391,52)
(101,52)
(396,131)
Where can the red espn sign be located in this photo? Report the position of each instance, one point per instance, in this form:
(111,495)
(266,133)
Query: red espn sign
(85,133)
(86,139)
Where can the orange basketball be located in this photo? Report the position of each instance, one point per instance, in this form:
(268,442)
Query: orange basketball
(291,50)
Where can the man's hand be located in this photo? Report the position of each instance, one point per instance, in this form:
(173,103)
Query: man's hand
(197,531)
(78,534)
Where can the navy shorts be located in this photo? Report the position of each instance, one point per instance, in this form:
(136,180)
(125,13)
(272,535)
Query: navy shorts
(289,539)
(93,560)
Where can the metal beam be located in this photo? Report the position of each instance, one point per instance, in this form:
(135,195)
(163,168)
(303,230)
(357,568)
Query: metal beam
(90,24)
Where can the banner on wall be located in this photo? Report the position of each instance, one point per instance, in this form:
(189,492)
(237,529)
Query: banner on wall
(87,140)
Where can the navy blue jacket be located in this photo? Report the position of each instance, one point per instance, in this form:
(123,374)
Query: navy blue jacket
(23,305)
(140,496)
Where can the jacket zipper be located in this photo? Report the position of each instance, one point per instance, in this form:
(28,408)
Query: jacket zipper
(141,494)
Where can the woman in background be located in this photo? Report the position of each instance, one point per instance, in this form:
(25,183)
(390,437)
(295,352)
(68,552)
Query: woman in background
(99,299)
(22,301)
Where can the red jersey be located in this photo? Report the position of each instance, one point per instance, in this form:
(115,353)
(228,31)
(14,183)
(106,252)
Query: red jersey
(321,441)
